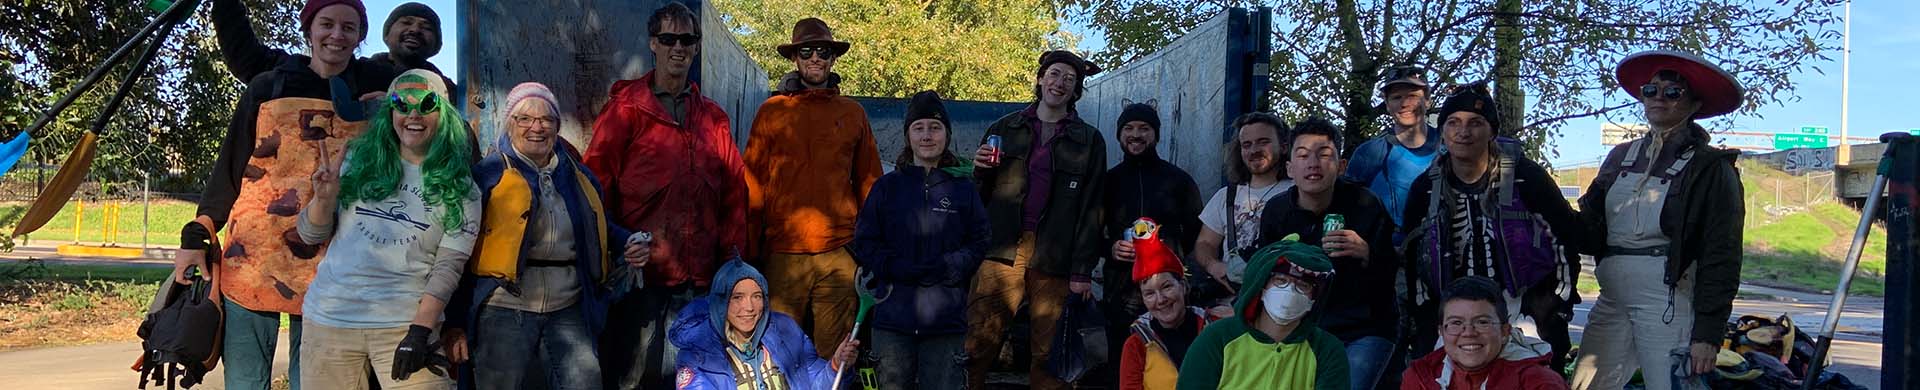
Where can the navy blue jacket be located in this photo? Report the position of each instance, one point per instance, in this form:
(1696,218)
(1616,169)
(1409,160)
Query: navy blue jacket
(919,237)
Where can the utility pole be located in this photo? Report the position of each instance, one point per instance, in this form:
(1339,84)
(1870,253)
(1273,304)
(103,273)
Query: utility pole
(1846,68)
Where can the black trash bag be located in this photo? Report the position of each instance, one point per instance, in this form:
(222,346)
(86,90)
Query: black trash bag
(1079,341)
(181,340)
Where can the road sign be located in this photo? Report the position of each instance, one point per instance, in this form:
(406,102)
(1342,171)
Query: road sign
(1813,130)
(1784,141)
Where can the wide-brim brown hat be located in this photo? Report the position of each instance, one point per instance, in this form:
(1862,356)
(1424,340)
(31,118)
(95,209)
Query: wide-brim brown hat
(1718,91)
(813,32)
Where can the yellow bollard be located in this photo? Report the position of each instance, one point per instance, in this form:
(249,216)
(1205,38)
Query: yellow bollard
(112,216)
(79,209)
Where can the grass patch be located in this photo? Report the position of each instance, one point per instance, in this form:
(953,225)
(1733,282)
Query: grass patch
(162,225)
(77,273)
(1807,272)
(1794,233)
(1588,285)
(1873,257)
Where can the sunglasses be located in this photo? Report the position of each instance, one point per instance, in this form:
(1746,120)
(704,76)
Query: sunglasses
(672,40)
(428,104)
(807,53)
(1672,93)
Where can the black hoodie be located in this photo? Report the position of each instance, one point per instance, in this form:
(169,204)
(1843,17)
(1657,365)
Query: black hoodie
(1147,186)
(1361,302)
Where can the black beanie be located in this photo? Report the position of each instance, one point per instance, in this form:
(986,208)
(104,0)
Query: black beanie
(1139,112)
(1472,98)
(925,105)
(418,10)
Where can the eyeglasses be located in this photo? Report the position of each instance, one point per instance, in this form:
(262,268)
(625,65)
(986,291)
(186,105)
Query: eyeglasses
(1457,326)
(428,104)
(1289,283)
(528,120)
(673,40)
(1672,93)
(807,53)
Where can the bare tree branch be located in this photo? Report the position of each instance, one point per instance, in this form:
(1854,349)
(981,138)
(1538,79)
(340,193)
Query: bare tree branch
(1538,123)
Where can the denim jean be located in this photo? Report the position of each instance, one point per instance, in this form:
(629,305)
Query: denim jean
(1366,359)
(558,341)
(920,362)
(634,350)
(247,350)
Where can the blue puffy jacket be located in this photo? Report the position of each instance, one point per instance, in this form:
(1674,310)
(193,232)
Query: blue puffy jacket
(699,332)
(919,237)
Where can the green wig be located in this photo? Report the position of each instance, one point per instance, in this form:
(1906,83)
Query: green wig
(375,171)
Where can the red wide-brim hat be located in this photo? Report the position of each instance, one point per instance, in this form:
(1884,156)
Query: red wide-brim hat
(1718,91)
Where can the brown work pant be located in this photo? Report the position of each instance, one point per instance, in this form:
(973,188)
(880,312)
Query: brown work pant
(817,291)
(997,291)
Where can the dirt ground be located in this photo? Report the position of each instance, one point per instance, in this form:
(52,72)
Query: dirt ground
(42,313)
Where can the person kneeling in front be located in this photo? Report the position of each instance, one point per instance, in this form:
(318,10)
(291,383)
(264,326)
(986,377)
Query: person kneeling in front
(732,340)
(1480,350)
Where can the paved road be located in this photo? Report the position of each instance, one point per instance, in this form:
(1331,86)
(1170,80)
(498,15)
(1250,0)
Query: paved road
(96,367)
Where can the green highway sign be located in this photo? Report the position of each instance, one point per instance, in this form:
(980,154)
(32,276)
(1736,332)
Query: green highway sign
(1813,130)
(1784,141)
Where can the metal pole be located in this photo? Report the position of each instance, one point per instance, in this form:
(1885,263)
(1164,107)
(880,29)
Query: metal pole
(1832,321)
(146,207)
(1846,75)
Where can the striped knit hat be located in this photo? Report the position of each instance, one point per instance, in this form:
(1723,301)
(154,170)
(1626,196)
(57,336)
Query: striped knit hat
(420,79)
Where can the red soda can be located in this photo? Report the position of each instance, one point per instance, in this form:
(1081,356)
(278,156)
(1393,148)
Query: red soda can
(994,142)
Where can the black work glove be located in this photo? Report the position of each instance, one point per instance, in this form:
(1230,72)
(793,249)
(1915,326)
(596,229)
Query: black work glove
(415,353)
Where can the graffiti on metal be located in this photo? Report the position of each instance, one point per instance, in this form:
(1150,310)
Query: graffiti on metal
(1802,160)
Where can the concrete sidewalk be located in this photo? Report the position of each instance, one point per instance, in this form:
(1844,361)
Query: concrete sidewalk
(98,367)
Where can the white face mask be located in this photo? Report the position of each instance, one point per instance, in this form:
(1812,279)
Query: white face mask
(1284,305)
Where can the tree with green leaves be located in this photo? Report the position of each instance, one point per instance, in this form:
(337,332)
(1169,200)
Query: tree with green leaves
(1549,61)
(175,115)
(966,50)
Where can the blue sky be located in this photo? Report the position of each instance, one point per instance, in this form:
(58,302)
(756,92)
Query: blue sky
(1882,46)
(1883,42)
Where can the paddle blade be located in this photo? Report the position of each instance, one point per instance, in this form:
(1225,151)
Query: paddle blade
(11,152)
(61,188)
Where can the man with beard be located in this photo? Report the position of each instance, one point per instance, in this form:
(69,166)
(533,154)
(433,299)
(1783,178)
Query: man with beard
(1039,187)
(1352,226)
(810,161)
(412,35)
(1142,186)
(1231,218)
(666,157)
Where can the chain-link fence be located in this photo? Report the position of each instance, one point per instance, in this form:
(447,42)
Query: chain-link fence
(124,213)
(1793,194)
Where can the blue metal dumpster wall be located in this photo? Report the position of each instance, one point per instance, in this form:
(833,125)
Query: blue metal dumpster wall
(970,119)
(1201,81)
(579,49)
